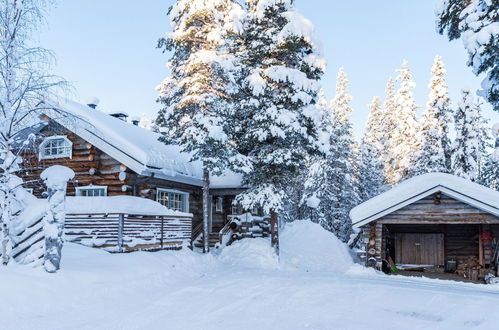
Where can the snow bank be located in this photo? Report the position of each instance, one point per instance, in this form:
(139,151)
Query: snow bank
(118,204)
(250,253)
(306,245)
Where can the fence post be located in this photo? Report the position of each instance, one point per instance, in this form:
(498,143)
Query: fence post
(274,231)
(121,225)
(162,230)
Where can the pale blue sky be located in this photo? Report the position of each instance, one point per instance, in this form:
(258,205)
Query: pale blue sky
(107,49)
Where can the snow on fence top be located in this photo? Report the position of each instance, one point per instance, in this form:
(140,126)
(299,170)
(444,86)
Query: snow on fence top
(119,205)
(421,186)
(134,146)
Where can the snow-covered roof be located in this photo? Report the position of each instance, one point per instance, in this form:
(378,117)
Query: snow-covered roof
(420,187)
(118,204)
(137,148)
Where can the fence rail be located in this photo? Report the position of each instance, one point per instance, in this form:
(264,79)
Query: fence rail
(124,232)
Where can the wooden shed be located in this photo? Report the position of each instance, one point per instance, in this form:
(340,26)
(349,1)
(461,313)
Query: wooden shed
(434,221)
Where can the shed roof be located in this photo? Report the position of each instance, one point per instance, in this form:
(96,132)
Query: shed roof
(420,187)
(136,147)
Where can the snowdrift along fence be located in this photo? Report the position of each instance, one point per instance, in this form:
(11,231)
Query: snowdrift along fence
(125,232)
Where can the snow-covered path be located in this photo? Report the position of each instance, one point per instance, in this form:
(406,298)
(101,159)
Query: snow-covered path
(242,288)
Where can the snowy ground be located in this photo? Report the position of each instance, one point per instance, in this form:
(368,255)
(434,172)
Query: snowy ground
(244,287)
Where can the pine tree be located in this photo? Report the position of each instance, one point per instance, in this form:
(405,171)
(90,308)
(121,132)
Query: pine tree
(330,187)
(277,125)
(197,94)
(475,22)
(371,168)
(404,143)
(471,138)
(436,148)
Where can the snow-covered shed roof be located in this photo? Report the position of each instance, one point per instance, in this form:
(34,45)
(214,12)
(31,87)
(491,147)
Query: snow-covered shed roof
(137,148)
(420,187)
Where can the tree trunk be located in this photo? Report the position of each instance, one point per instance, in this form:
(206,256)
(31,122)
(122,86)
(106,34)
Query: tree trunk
(206,192)
(5,243)
(274,231)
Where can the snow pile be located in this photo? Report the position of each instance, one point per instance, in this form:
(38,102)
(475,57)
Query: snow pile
(306,245)
(57,175)
(118,204)
(250,253)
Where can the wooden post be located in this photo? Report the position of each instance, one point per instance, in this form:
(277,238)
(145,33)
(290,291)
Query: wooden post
(274,231)
(162,230)
(480,246)
(206,195)
(121,225)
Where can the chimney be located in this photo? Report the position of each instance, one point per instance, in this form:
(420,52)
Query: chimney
(135,121)
(120,115)
(93,102)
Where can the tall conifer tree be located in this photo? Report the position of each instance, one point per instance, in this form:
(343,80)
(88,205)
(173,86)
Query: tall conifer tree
(277,125)
(404,143)
(196,95)
(436,148)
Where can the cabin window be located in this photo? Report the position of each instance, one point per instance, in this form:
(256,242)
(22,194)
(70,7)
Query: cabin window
(91,191)
(55,147)
(174,200)
(30,190)
(235,209)
(254,210)
(219,204)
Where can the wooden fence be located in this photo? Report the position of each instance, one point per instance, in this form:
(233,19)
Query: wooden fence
(124,232)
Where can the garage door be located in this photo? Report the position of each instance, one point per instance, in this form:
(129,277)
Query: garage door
(419,249)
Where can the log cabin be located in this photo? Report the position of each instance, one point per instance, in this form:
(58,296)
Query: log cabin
(434,222)
(113,157)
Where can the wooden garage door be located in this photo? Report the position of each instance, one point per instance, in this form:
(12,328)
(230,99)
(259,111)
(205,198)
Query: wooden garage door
(419,249)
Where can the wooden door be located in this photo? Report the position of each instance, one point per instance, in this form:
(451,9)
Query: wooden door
(419,249)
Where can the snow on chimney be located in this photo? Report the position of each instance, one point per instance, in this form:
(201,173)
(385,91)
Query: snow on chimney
(93,102)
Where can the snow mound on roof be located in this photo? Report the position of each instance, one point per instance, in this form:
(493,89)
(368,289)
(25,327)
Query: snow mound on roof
(140,143)
(418,186)
(118,204)
(250,253)
(307,246)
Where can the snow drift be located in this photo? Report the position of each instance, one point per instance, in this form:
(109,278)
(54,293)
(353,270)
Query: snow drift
(306,245)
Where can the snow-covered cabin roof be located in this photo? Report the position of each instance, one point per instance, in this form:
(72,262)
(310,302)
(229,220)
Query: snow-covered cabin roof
(118,204)
(137,148)
(420,187)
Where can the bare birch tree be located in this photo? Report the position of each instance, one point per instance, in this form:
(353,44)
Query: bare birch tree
(25,87)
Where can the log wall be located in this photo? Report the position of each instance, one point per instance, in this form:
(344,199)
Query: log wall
(459,222)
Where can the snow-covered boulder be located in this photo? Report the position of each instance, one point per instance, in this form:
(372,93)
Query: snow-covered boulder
(306,245)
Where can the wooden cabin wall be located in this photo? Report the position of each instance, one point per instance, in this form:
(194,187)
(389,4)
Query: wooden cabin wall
(448,210)
(91,165)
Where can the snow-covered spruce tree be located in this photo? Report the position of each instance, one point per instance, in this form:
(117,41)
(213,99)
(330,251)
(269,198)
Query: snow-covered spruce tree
(471,138)
(436,148)
(371,181)
(55,178)
(495,133)
(330,187)
(196,95)
(476,23)
(404,142)
(277,126)
(388,127)
(24,86)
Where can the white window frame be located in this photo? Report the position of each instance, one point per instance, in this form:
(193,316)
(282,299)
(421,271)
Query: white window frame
(219,204)
(90,187)
(67,154)
(185,196)
(234,209)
